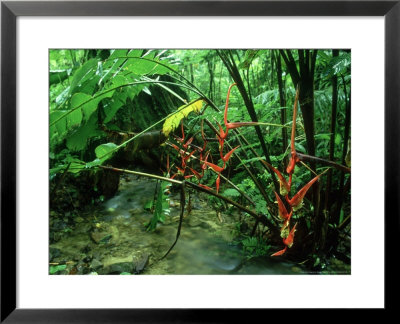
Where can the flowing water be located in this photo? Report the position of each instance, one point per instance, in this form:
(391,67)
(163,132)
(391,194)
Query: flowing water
(113,239)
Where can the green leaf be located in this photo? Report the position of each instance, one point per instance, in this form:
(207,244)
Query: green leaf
(60,267)
(135,53)
(231,193)
(249,56)
(78,140)
(338,139)
(161,207)
(74,118)
(105,149)
(119,80)
(84,73)
(61,126)
(111,108)
(94,163)
(57,76)
(88,104)
(143,66)
(118,53)
(85,103)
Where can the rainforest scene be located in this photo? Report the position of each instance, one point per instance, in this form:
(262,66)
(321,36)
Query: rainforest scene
(200,161)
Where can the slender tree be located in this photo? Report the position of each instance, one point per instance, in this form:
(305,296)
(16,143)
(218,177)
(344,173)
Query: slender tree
(326,211)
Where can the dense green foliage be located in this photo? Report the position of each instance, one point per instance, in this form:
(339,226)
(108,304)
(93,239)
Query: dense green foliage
(109,107)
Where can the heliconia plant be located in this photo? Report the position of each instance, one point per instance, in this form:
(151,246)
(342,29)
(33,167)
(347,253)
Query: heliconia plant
(295,202)
(222,135)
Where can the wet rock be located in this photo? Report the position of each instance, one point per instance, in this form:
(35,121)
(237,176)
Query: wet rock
(105,234)
(96,265)
(142,263)
(118,268)
(135,211)
(54,253)
(82,268)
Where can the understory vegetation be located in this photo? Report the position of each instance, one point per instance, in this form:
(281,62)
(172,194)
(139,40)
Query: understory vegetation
(261,137)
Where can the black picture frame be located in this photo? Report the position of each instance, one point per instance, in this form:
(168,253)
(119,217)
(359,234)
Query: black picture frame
(10,10)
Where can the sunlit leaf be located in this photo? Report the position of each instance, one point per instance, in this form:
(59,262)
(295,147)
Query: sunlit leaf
(173,121)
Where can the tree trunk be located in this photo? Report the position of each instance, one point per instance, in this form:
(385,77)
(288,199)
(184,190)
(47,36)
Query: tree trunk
(282,102)
(326,211)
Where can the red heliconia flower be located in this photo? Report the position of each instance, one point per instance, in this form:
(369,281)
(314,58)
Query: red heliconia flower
(280,252)
(227,104)
(240,124)
(188,176)
(284,185)
(229,154)
(188,142)
(204,165)
(283,213)
(180,171)
(176,147)
(216,168)
(297,201)
(292,163)
(294,158)
(222,135)
(217,182)
(289,240)
(179,139)
(198,175)
(186,157)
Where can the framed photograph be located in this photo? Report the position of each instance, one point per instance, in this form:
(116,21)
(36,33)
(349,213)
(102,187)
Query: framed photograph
(183,156)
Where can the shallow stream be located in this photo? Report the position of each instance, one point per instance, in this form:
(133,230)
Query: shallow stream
(112,239)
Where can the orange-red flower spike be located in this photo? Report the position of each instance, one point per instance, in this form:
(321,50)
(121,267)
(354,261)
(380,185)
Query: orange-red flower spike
(283,213)
(198,175)
(187,156)
(289,240)
(284,185)
(294,159)
(280,252)
(240,124)
(189,141)
(292,163)
(229,154)
(227,104)
(214,167)
(217,182)
(222,135)
(297,201)
(180,171)
(175,147)
(183,132)
(204,165)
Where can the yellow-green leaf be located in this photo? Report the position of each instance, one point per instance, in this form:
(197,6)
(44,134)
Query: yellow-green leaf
(172,122)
